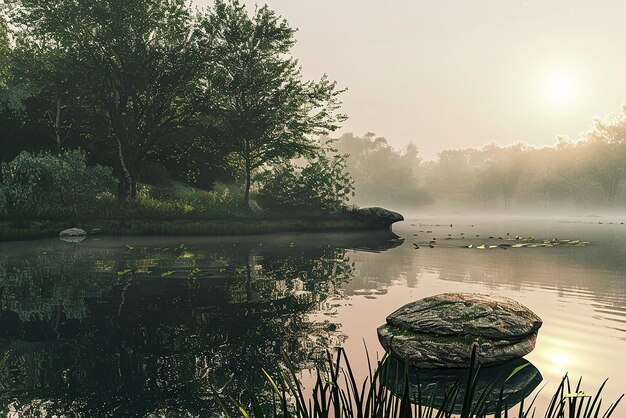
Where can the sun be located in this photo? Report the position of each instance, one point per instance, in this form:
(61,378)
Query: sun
(560,87)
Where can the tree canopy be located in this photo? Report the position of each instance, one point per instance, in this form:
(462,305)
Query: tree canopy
(256,91)
(161,92)
(133,63)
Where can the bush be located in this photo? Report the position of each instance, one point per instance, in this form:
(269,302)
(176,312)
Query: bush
(47,186)
(181,201)
(323,184)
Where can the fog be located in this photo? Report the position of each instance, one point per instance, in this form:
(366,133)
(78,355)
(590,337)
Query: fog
(585,176)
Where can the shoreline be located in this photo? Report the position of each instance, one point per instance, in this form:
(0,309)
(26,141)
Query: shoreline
(35,229)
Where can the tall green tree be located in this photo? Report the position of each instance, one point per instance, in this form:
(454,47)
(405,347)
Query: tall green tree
(255,90)
(134,63)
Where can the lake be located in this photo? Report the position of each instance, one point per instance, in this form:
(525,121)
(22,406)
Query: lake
(142,326)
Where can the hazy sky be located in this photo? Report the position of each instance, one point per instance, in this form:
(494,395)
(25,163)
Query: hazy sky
(465,73)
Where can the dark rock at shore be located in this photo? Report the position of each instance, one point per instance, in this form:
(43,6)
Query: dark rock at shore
(378,217)
(440,331)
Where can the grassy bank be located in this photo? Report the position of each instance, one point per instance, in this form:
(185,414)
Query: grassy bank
(12,231)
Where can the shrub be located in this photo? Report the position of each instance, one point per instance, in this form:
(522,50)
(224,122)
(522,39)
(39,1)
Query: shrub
(180,201)
(323,184)
(48,186)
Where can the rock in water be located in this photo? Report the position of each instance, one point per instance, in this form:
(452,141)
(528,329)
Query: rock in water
(72,235)
(378,217)
(72,232)
(439,331)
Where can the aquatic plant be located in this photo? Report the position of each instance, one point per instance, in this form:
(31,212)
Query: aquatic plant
(338,394)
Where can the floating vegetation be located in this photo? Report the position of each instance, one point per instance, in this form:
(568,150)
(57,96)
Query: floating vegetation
(529,242)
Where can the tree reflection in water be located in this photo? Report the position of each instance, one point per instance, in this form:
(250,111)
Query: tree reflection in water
(112,329)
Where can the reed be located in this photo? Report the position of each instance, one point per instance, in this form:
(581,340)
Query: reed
(338,394)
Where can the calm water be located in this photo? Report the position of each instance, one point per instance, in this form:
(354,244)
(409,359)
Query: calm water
(141,326)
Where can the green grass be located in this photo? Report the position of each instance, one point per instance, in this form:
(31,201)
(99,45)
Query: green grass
(337,394)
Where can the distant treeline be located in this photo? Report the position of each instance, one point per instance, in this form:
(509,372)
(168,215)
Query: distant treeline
(589,173)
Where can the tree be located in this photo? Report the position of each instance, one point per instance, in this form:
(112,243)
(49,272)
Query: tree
(44,69)
(135,63)
(255,91)
(606,144)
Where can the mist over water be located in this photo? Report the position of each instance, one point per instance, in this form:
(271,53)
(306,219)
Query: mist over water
(583,177)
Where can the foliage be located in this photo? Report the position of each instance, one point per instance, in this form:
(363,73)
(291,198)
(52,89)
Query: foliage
(4,52)
(176,201)
(322,184)
(12,93)
(52,186)
(133,63)
(255,89)
(337,394)
(154,87)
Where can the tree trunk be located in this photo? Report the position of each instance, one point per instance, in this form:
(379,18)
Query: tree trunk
(55,123)
(57,127)
(134,184)
(248,172)
(128,178)
(248,181)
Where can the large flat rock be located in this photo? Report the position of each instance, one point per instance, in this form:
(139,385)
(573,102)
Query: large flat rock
(490,316)
(440,331)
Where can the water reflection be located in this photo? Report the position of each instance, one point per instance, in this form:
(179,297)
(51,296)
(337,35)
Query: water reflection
(132,329)
(138,327)
(512,381)
(579,292)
